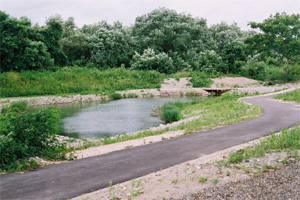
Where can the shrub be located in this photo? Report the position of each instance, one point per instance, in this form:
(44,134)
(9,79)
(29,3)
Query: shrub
(116,96)
(200,79)
(26,133)
(254,70)
(170,113)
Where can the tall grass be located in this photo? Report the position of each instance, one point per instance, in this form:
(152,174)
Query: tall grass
(170,112)
(75,80)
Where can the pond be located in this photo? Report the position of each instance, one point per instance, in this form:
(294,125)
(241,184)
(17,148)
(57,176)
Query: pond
(98,120)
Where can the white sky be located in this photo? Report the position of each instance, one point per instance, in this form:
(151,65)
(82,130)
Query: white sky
(125,11)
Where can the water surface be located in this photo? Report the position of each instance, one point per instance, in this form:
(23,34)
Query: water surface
(98,120)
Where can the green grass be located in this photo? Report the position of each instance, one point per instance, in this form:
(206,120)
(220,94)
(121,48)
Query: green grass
(170,112)
(202,179)
(290,96)
(286,141)
(76,80)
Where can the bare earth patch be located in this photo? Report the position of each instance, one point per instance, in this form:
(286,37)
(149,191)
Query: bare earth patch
(232,82)
(169,88)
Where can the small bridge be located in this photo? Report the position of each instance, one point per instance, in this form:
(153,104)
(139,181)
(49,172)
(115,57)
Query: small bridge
(217,91)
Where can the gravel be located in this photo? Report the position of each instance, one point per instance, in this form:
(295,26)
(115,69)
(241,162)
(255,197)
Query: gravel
(283,183)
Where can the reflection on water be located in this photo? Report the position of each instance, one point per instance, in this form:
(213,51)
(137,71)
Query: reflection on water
(98,120)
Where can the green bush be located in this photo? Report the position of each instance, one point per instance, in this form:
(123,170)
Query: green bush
(170,113)
(254,70)
(200,79)
(26,133)
(116,96)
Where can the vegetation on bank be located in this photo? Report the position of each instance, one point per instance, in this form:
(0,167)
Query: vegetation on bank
(84,80)
(27,133)
(76,80)
(290,96)
(214,112)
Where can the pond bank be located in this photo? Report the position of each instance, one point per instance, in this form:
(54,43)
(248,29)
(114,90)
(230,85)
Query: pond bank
(170,88)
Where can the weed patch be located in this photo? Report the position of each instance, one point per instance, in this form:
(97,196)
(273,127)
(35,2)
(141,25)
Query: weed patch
(290,96)
(287,141)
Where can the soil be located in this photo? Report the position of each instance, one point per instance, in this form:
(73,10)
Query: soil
(233,82)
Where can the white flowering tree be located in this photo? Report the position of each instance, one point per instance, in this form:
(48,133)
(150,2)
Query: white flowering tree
(111,46)
(149,60)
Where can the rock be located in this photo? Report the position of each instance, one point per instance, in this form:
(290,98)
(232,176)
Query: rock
(270,161)
(40,161)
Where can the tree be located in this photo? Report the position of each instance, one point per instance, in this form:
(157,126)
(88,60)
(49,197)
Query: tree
(280,35)
(111,46)
(233,55)
(53,32)
(20,47)
(74,43)
(210,62)
(223,33)
(180,36)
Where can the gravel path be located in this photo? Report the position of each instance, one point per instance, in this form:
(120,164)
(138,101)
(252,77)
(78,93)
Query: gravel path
(279,184)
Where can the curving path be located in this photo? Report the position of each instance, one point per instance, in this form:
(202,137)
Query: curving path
(70,179)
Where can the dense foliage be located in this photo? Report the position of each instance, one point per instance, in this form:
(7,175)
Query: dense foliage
(25,133)
(280,36)
(180,36)
(20,48)
(162,40)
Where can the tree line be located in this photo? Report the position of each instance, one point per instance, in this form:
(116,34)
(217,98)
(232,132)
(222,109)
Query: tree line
(162,40)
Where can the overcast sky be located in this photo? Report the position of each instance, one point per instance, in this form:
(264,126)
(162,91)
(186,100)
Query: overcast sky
(125,11)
